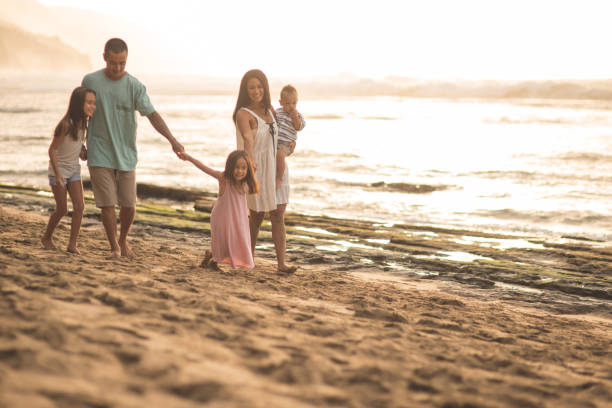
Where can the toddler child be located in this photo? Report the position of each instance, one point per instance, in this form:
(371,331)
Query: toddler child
(290,121)
(229,223)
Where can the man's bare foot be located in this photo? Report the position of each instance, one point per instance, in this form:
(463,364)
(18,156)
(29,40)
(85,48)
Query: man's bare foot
(73,250)
(126,251)
(48,243)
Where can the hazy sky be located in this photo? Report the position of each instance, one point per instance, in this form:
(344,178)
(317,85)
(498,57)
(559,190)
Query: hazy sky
(469,39)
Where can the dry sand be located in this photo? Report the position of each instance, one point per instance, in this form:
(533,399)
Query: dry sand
(85,331)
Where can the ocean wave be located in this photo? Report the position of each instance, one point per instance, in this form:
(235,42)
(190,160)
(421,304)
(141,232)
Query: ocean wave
(409,188)
(190,114)
(19,110)
(586,157)
(20,139)
(328,116)
(540,178)
(549,217)
(314,154)
(600,90)
(25,172)
(502,174)
(533,121)
(378,118)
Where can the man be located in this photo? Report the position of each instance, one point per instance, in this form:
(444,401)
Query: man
(111,142)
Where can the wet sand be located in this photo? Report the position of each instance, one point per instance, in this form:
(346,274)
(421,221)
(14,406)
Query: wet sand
(386,324)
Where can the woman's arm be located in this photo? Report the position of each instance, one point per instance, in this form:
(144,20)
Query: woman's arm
(244,125)
(211,172)
(55,144)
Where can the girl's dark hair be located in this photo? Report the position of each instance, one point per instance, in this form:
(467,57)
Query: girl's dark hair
(230,165)
(75,113)
(243,95)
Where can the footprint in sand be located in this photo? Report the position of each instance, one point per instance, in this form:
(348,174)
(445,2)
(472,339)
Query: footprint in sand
(201,392)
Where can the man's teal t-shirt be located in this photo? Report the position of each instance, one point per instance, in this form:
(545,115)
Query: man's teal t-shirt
(111,136)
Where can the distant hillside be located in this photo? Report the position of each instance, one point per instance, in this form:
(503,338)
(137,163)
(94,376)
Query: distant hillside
(21,50)
(87,31)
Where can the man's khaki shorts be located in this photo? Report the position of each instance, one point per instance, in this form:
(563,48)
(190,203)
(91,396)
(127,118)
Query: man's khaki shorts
(112,187)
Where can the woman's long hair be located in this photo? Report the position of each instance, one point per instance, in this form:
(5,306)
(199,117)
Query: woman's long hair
(243,95)
(75,114)
(249,179)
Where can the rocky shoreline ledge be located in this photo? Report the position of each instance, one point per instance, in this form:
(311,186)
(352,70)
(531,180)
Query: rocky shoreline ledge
(571,275)
(377,316)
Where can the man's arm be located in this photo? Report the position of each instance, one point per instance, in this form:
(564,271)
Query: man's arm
(160,125)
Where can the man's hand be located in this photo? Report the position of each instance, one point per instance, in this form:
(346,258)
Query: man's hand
(178,149)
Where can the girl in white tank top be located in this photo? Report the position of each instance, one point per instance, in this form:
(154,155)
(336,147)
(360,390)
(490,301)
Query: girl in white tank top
(64,167)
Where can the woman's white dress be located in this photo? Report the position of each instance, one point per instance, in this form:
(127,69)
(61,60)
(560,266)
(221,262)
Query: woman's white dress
(264,155)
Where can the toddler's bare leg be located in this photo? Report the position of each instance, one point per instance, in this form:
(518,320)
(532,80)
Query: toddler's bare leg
(280,167)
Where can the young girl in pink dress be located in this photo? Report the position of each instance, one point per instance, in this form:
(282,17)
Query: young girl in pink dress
(229,222)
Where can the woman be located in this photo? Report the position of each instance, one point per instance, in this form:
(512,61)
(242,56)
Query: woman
(256,133)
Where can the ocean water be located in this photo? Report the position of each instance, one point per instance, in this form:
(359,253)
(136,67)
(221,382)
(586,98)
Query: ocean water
(540,167)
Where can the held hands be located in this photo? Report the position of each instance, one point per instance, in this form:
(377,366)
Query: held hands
(183,155)
(178,149)
(83,154)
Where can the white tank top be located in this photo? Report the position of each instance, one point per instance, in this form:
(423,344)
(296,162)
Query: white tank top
(68,155)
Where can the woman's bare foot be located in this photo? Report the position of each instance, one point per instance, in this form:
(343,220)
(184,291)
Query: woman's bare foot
(73,250)
(287,269)
(48,243)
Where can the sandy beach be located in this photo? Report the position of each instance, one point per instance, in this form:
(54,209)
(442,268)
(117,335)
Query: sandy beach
(383,327)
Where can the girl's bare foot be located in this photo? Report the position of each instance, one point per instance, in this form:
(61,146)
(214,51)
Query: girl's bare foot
(48,243)
(206,260)
(114,255)
(214,266)
(73,250)
(126,251)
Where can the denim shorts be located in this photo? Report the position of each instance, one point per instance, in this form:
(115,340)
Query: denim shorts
(75,177)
